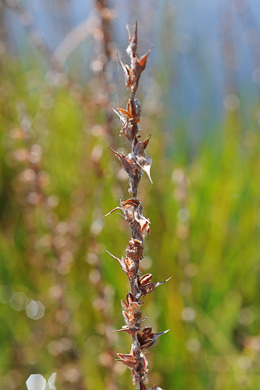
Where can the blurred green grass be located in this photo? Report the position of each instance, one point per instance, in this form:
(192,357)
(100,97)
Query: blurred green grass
(205,222)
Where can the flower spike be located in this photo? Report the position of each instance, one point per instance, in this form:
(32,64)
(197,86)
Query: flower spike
(135,163)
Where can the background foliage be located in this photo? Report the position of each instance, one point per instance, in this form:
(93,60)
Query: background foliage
(58,178)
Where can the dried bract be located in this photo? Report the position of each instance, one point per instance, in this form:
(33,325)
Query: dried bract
(133,73)
(128,360)
(129,123)
(132,47)
(147,338)
(149,287)
(132,169)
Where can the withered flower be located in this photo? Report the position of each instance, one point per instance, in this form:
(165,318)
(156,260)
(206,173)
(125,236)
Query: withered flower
(144,162)
(132,169)
(147,288)
(129,125)
(128,360)
(134,163)
(147,338)
(133,213)
(133,110)
(135,250)
(133,73)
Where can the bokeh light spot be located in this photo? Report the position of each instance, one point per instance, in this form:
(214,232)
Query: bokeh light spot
(246,316)
(193,344)
(36,382)
(244,362)
(51,382)
(18,301)
(188,314)
(35,310)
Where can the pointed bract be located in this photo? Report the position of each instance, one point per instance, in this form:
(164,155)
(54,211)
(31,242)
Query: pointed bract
(132,47)
(148,288)
(110,212)
(143,59)
(128,360)
(131,330)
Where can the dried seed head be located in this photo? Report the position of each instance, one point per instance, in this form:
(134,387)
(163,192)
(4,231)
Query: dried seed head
(146,332)
(132,209)
(131,267)
(129,123)
(139,147)
(141,369)
(144,162)
(132,169)
(132,112)
(137,67)
(149,287)
(135,250)
(132,74)
(147,339)
(134,164)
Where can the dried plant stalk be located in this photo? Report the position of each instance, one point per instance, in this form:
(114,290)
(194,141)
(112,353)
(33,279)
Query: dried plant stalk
(134,164)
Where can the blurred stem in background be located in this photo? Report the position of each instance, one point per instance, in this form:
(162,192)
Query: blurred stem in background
(62,344)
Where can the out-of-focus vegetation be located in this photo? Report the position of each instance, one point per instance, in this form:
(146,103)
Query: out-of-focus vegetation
(58,179)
